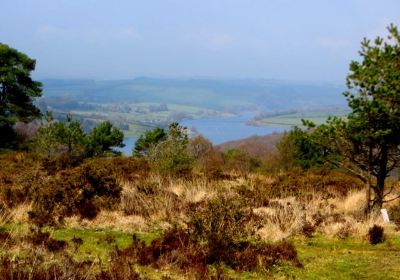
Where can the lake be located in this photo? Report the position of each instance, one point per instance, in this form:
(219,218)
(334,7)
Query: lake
(219,129)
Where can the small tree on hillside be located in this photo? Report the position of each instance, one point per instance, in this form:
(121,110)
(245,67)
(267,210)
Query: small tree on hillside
(148,140)
(171,155)
(103,138)
(297,149)
(367,143)
(68,138)
(58,137)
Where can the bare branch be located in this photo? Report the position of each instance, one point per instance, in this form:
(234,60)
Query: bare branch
(385,201)
(389,192)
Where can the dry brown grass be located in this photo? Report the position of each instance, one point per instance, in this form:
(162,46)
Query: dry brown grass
(327,202)
(109,220)
(280,206)
(19,213)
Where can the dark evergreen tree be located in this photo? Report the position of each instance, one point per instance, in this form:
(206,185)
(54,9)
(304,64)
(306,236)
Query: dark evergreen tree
(17,92)
(148,140)
(367,142)
(103,138)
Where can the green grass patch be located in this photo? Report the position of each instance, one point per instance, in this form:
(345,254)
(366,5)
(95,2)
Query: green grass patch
(327,258)
(99,243)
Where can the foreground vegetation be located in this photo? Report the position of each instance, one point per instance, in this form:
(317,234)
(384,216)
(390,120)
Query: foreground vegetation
(310,225)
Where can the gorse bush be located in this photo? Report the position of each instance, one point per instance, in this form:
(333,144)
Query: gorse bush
(82,191)
(18,173)
(207,160)
(222,221)
(240,162)
(375,235)
(218,232)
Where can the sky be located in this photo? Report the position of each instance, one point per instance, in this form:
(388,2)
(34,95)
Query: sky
(302,40)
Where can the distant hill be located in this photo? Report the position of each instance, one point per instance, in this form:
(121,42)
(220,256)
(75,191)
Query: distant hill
(218,94)
(256,146)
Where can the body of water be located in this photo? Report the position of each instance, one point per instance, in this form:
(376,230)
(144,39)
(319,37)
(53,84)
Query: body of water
(129,144)
(223,129)
(219,129)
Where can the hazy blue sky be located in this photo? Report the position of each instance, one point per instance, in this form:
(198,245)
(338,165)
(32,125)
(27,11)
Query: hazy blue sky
(283,39)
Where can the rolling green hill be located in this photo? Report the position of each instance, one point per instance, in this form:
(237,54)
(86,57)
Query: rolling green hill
(233,94)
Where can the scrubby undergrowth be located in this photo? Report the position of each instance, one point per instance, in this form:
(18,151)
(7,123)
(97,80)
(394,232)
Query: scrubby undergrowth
(210,227)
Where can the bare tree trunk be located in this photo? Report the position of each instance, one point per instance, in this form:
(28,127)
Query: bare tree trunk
(379,192)
(380,180)
(368,197)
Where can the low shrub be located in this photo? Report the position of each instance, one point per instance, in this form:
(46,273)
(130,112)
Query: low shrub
(344,231)
(59,162)
(394,213)
(178,247)
(308,230)
(222,221)
(240,162)
(40,238)
(376,235)
(18,173)
(128,168)
(123,168)
(82,191)
(219,231)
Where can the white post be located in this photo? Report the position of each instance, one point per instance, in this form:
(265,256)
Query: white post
(385,215)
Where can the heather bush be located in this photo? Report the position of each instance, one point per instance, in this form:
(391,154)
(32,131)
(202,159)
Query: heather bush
(130,169)
(37,237)
(123,168)
(222,221)
(218,232)
(82,191)
(375,235)
(239,161)
(18,173)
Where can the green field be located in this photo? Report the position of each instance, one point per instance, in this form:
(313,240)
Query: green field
(135,118)
(294,119)
(216,94)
